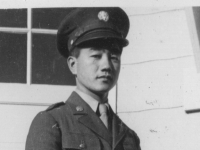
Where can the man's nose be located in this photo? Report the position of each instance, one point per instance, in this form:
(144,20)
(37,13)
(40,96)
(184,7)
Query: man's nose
(106,64)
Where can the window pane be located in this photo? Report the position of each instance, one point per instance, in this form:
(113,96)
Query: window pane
(48,66)
(13,17)
(48,18)
(13,57)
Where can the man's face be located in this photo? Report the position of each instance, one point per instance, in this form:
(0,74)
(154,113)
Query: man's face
(97,68)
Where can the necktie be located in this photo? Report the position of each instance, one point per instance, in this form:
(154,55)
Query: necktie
(103,113)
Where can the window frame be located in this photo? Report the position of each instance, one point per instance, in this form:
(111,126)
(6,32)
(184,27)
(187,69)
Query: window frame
(29,31)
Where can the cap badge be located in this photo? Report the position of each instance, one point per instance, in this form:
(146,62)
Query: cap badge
(103,15)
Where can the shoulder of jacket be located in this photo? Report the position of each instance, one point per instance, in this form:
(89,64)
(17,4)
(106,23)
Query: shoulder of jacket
(136,137)
(56,105)
(132,132)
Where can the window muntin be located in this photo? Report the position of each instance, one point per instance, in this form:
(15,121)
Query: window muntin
(44,64)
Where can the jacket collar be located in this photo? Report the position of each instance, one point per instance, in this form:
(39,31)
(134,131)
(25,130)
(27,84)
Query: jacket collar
(86,116)
(119,130)
(93,103)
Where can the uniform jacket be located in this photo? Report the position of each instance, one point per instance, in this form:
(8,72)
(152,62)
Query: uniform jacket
(74,125)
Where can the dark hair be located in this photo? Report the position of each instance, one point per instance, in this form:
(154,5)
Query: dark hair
(75,52)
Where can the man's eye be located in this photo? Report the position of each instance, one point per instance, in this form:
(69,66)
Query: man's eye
(115,57)
(96,56)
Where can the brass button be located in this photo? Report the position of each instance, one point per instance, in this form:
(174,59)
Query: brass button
(82,145)
(79,108)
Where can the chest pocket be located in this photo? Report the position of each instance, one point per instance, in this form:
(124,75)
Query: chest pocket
(73,141)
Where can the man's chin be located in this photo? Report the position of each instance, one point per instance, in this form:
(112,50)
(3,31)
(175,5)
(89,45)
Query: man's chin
(103,90)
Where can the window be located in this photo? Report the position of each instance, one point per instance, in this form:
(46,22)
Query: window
(28,52)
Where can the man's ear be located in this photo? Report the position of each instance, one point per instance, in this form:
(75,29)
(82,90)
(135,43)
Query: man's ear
(72,64)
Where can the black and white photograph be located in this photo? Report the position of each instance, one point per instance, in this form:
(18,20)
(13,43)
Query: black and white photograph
(99,75)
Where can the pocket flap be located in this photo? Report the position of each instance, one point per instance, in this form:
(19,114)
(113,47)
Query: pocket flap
(71,140)
(80,141)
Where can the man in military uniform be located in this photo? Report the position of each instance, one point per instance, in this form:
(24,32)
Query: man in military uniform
(92,40)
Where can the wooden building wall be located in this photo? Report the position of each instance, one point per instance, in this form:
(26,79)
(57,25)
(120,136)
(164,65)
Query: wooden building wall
(152,90)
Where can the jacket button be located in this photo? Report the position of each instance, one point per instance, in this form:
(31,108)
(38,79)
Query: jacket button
(82,145)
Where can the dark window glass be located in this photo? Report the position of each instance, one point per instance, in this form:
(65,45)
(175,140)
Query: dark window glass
(13,57)
(13,17)
(48,66)
(48,18)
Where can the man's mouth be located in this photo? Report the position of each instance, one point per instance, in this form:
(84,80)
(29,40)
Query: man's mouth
(105,77)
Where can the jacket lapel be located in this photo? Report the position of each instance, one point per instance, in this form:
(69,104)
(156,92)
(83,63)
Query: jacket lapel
(88,117)
(119,129)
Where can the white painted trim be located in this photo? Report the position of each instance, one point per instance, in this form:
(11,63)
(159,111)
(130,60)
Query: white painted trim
(44,31)
(24,103)
(29,47)
(116,99)
(26,30)
(13,30)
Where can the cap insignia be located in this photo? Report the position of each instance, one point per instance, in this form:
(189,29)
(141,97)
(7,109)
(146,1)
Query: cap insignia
(102,15)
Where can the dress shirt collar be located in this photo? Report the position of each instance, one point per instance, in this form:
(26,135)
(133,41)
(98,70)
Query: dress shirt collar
(93,103)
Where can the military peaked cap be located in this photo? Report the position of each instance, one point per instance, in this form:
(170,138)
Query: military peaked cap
(95,23)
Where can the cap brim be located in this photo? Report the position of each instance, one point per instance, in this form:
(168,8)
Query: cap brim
(101,34)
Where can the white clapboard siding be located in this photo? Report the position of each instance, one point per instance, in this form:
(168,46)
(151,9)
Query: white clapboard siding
(165,129)
(156,84)
(155,36)
(15,123)
(151,86)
